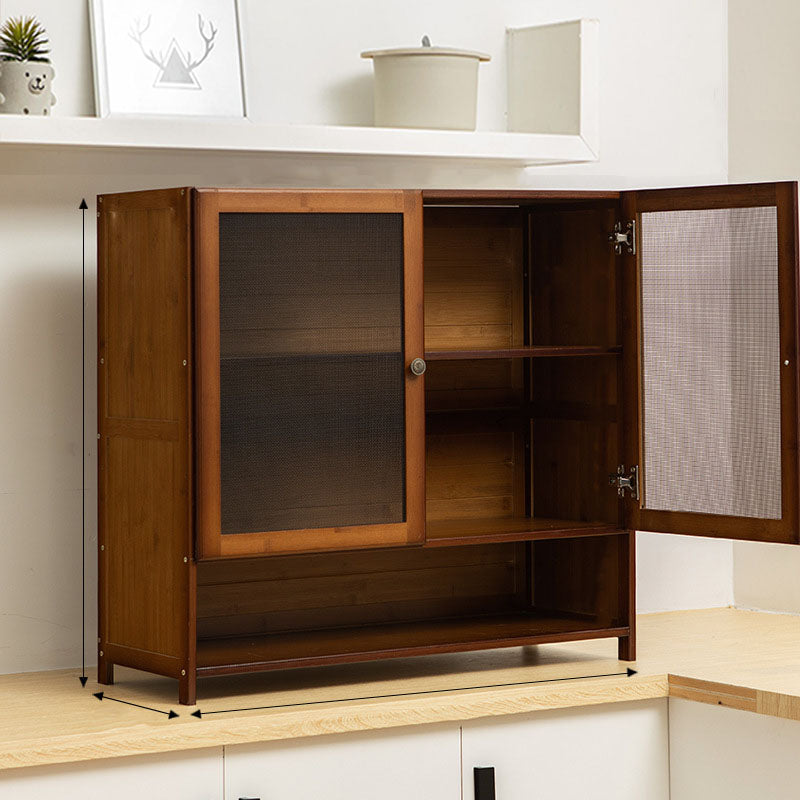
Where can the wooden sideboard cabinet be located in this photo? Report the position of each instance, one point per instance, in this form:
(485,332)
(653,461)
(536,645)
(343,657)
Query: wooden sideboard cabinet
(348,425)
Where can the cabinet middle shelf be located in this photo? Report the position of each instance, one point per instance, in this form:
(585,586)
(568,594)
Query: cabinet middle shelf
(532,351)
(454,532)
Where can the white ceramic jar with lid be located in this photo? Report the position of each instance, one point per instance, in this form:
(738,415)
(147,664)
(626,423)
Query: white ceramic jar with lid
(426,87)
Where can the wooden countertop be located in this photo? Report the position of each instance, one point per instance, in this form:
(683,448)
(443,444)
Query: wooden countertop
(740,659)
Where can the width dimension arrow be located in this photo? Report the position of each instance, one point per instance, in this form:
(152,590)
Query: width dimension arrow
(83,208)
(628,672)
(103,696)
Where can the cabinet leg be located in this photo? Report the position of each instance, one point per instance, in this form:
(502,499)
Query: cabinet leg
(187,689)
(627,648)
(105,672)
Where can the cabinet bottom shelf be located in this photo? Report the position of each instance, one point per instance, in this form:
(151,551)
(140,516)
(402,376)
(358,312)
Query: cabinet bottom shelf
(226,656)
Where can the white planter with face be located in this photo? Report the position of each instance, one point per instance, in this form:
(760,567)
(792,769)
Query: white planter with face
(26,88)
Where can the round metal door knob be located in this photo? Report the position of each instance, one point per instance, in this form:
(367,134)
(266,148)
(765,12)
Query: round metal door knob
(418,366)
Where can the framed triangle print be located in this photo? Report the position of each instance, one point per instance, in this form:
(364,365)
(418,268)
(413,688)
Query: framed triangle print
(175,58)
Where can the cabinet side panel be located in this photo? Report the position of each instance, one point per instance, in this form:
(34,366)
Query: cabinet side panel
(582,577)
(574,277)
(144,422)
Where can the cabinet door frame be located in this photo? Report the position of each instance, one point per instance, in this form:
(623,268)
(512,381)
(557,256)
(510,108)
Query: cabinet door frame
(784,197)
(208,205)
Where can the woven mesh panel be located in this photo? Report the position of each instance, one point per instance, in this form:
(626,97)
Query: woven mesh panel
(312,371)
(711,362)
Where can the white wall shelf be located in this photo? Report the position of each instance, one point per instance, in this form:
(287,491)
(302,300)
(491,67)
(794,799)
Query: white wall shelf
(553,83)
(242,136)
(552,111)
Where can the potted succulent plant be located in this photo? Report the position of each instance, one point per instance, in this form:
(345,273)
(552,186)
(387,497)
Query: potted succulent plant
(26,76)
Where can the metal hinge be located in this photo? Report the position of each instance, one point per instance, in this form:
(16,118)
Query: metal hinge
(624,236)
(622,481)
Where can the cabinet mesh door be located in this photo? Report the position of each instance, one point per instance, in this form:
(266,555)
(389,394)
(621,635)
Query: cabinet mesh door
(711,382)
(312,371)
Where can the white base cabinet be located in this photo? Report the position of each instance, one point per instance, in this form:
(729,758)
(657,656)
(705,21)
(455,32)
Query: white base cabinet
(724,754)
(421,763)
(608,752)
(192,775)
(643,750)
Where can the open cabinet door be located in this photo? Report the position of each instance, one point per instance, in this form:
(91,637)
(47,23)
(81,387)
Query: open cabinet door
(710,362)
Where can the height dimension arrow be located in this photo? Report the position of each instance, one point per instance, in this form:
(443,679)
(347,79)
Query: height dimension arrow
(103,696)
(83,208)
(627,674)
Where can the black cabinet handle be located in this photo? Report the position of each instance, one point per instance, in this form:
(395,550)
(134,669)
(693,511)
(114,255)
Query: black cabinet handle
(484,783)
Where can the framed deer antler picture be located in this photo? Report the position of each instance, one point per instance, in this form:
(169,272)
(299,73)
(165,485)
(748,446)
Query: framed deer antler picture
(167,57)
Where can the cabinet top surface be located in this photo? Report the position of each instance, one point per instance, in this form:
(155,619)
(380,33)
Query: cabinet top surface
(466,196)
(722,656)
(428,195)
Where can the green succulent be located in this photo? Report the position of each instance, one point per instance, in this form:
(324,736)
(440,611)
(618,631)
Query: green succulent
(24,39)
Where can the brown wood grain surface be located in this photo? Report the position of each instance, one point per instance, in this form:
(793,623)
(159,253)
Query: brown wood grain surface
(365,643)
(534,351)
(212,543)
(145,483)
(784,197)
(510,436)
(510,196)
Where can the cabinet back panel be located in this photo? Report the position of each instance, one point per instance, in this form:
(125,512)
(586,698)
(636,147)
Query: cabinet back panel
(473,278)
(474,476)
(570,578)
(574,277)
(306,592)
(458,385)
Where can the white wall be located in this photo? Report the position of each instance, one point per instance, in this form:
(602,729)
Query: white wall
(679,572)
(764,113)
(767,576)
(663,122)
(764,136)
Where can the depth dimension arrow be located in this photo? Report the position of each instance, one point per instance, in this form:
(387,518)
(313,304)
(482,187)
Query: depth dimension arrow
(628,672)
(83,208)
(103,696)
